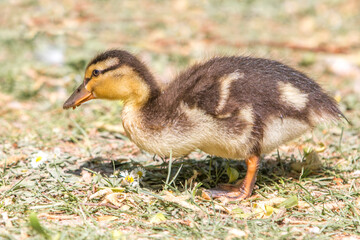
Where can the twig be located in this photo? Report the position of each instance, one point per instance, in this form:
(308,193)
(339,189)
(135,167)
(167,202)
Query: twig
(100,205)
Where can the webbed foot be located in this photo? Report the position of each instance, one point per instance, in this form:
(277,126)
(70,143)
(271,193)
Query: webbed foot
(239,191)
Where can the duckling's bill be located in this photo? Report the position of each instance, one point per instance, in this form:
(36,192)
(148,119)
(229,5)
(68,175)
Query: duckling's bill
(79,96)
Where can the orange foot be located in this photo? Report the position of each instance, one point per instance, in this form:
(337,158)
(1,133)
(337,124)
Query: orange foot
(229,191)
(236,192)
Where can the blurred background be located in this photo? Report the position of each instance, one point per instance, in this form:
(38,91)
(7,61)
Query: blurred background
(45,46)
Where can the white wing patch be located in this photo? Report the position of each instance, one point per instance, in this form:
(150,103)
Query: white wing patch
(225,84)
(247,114)
(292,96)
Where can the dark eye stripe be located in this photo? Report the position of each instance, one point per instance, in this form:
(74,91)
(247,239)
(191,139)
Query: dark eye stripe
(87,80)
(102,72)
(111,68)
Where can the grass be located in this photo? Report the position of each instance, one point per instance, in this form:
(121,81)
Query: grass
(43,51)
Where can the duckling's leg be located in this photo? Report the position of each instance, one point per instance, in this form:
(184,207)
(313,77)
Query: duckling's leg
(238,191)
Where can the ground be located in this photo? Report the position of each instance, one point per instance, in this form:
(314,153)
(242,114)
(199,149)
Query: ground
(306,189)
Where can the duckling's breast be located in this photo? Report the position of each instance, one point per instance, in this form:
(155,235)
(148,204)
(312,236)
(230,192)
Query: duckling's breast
(163,137)
(225,136)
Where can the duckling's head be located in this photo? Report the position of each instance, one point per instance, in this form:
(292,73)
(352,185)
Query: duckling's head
(115,75)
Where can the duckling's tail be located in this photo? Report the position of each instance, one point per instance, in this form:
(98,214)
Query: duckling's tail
(347,120)
(336,110)
(328,111)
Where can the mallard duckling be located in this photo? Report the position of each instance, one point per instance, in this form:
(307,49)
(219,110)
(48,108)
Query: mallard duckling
(231,107)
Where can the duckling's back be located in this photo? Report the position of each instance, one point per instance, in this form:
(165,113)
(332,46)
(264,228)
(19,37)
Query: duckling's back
(235,107)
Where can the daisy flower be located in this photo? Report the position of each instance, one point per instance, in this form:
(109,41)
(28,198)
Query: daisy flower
(57,152)
(140,172)
(129,178)
(38,159)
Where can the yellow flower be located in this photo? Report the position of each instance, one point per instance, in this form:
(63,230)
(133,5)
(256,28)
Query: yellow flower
(129,178)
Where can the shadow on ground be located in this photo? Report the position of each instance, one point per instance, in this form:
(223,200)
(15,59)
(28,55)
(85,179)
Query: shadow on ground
(209,171)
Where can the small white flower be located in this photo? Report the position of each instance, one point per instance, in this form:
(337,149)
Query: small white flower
(57,152)
(128,178)
(139,171)
(124,173)
(38,159)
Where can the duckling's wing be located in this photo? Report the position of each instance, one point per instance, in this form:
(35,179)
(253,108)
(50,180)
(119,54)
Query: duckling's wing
(223,86)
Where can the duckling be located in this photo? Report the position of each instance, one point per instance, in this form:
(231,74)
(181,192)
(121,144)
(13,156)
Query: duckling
(231,107)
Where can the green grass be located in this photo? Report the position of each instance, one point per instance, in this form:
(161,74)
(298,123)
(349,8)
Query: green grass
(53,201)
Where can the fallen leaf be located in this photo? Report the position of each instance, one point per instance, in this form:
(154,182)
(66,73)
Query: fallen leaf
(236,233)
(12,160)
(312,162)
(262,211)
(114,198)
(338,181)
(205,195)
(106,218)
(289,203)
(233,174)
(157,218)
(101,193)
(268,210)
(240,213)
(181,200)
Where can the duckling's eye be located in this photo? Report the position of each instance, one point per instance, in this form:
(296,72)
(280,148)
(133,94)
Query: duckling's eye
(95,72)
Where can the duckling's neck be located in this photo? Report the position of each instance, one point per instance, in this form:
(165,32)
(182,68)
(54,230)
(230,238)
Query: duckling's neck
(145,109)
(138,88)
(148,79)
(144,90)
